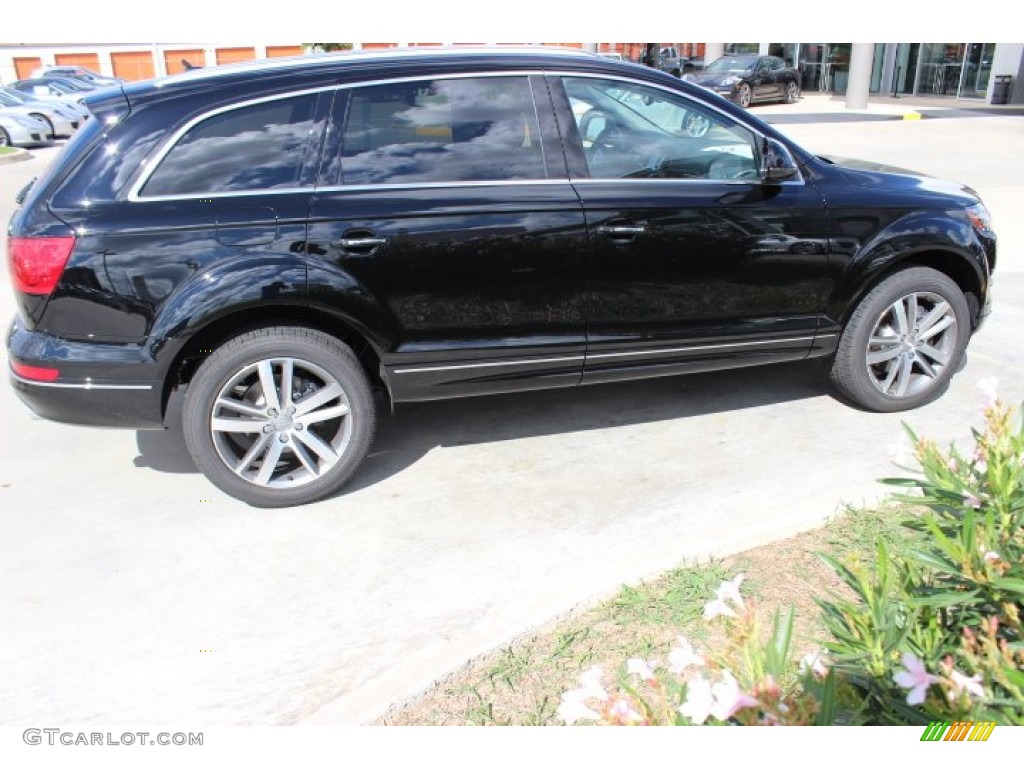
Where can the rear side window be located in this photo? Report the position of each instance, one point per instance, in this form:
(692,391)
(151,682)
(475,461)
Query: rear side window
(464,129)
(258,147)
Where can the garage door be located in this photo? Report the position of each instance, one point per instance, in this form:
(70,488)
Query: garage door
(26,66)
(133,65)
(88,60)
(273,51)
(229,55)
(174,60)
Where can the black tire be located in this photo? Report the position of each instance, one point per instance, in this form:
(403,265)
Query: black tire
(744,95)
(5,140)
(313,455)
(884,363)
(792,92)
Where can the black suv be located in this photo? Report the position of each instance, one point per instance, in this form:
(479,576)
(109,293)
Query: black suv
(283,238)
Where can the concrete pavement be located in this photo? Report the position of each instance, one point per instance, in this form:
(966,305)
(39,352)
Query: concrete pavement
(137,593)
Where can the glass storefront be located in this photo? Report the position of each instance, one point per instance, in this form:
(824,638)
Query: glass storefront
(742,48)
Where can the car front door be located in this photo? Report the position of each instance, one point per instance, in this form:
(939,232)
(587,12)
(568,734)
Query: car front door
(693,262)
(444,219)
(765,87)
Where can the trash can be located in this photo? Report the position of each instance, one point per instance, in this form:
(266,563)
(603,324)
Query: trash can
(1002,88)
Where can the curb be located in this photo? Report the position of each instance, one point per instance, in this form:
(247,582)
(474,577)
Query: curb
(16,157)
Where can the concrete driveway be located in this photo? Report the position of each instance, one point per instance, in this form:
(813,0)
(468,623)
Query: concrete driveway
(135,592)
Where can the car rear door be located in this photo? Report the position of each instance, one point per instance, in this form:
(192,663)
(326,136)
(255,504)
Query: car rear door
(445,225)
(693,263)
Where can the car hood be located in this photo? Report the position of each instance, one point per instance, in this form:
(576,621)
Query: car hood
(867,173)
(712,78)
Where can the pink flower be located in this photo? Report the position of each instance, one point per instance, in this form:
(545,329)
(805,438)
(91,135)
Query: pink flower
(970,684)
(989,387)
(699,700)
(971,500)
(683,656)
(991,557)
(641,668)
(729,699)
(623,712)
(915,678)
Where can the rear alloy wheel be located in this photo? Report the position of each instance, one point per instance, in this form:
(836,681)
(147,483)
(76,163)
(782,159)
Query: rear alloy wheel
(279,416)
(904,341)
(792,93)
(744,95)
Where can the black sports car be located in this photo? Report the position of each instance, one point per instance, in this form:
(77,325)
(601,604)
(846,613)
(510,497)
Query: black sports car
(746,78)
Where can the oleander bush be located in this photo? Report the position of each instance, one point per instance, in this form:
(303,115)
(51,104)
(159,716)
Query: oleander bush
(932,632)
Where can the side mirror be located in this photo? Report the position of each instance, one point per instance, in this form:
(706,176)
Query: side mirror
(777,164)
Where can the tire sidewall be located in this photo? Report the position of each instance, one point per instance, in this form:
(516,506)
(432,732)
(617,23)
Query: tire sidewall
(855,337)
(214,373)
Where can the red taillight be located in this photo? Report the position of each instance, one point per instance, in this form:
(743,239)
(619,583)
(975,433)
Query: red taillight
(34,372)
(38,262)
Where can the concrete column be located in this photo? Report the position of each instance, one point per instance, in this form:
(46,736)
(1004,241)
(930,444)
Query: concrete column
(762,49)
(713,51)
(261,51)
(106,63)
(859,82)
(592,47)
(159,65)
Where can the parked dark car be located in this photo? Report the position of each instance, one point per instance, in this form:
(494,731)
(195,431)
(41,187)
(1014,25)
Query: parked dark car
(749,78)
(284,239)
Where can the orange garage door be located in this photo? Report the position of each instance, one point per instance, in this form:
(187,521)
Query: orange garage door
(173,59)
(88,60)
(25,66)
(273,51)
(229,55)
(133,65)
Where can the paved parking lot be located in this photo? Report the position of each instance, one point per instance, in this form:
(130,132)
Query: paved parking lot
(136,592)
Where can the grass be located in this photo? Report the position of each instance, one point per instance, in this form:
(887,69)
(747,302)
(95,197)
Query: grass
(6,150)
(522,683)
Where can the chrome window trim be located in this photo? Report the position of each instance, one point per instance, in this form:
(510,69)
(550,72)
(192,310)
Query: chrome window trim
(153,163)
(661,87)
(439,185)
(86,385)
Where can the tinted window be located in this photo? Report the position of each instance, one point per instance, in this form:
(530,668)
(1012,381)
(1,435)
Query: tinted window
(262,146)
(632,131)
(474,129)
(774,63)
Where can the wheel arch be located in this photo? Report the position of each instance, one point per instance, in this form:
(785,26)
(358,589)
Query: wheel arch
(960,268)
(190,356)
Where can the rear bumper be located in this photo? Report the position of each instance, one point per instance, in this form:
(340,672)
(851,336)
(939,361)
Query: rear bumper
(118,391)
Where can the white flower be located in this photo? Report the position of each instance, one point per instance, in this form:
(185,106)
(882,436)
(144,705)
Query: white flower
(971,500)
(991,557)
(641,668)
(814,662)
(574,703)
(699,700)
(989,387)
(683,656)
(729,699)
(972,685)
(728,592)
(915,678)
(624,712)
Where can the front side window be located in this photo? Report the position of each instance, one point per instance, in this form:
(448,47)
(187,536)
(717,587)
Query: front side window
(463,129)
(633,131)
(258,147)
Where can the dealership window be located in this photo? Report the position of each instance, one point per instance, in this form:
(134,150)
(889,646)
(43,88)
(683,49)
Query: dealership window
(258,147)
(439,131)
(635,132)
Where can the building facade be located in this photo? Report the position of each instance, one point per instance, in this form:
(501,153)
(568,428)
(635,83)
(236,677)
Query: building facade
(957,70)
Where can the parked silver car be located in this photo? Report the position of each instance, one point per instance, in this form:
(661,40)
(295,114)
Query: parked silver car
(69,104)
(62,121)
(80,72)
(18,130)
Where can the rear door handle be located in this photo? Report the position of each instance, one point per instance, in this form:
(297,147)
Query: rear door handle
(358,243)
(622,232)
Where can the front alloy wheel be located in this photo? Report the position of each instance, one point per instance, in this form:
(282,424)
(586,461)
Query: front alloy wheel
(903,342)
(279,416)
(743,95)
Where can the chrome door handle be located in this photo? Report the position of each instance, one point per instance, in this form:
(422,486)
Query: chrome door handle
(622,230)
(352,243)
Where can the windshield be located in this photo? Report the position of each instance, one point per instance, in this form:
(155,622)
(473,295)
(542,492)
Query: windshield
(732,64)
(14,96)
